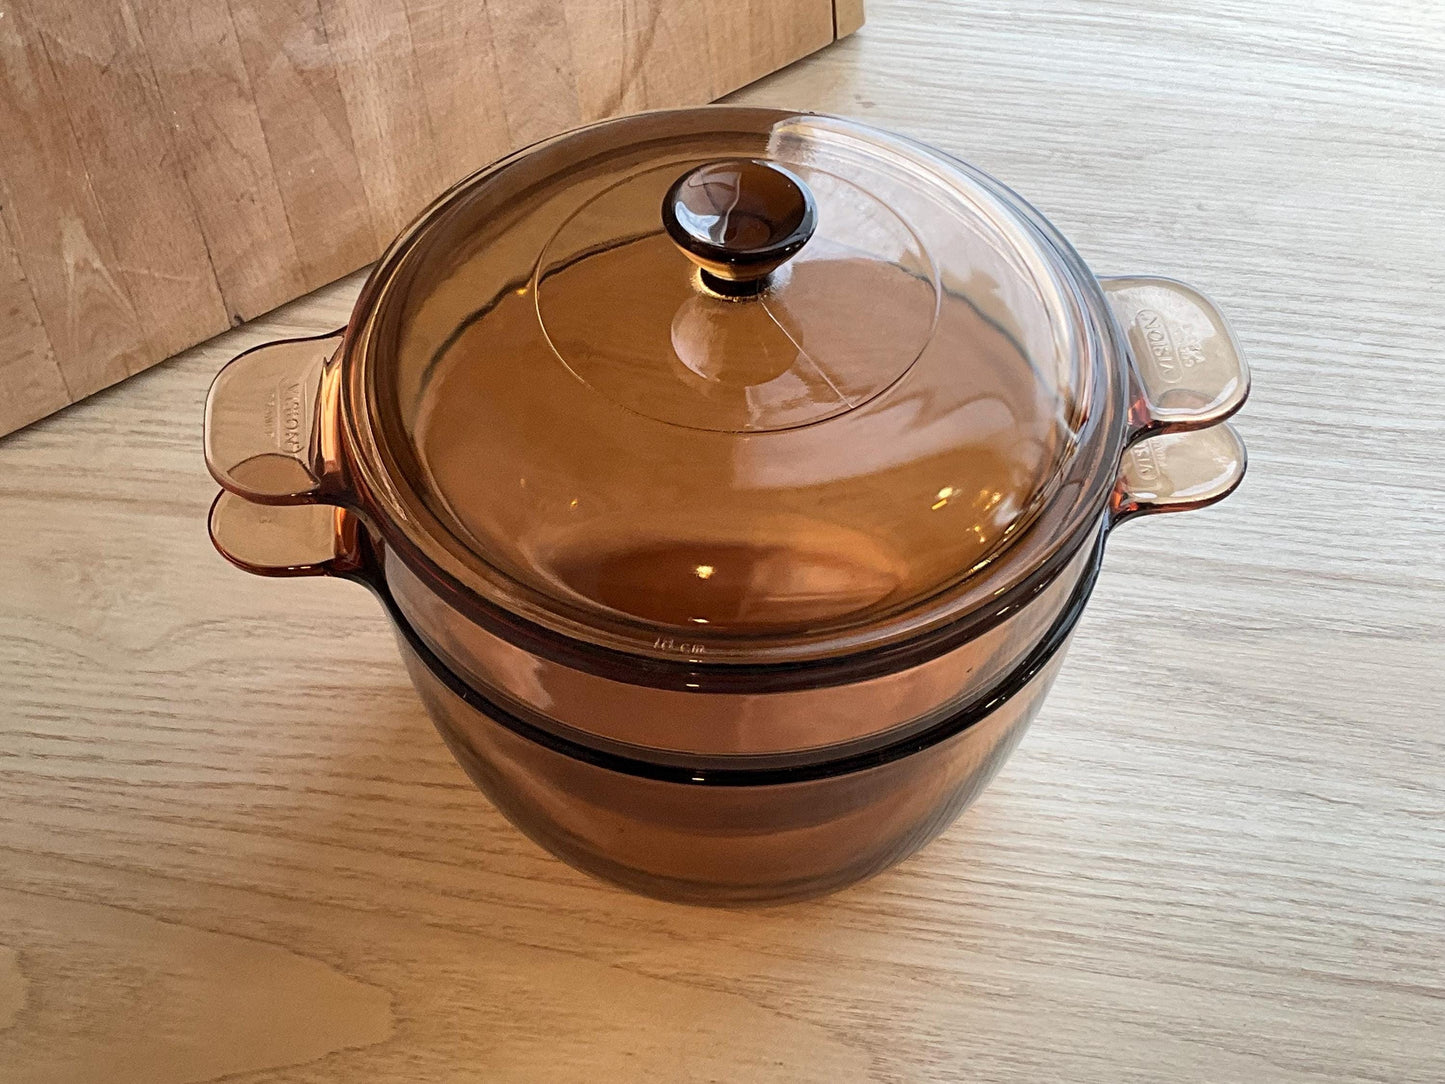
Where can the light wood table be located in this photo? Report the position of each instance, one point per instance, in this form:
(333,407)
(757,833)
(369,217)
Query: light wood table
(231,846)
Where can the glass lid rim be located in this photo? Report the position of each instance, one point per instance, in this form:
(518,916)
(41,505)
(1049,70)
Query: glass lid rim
(773,769)
(405,518)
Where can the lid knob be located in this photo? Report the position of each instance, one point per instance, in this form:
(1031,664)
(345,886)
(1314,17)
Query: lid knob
(739,220)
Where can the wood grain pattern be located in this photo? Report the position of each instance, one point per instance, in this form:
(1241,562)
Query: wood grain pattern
(196,57)
(1219,856)
(534,54)
(103,72)
(745,37)
(175,167)
(641,63)
(189,1004)
(31,384)
(55,225)
(847,17)
(287,52)
(457,65)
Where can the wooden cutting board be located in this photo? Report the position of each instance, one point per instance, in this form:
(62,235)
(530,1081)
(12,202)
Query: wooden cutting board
(172,167)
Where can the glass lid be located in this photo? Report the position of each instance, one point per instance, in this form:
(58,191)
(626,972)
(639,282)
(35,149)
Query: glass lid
(715,379)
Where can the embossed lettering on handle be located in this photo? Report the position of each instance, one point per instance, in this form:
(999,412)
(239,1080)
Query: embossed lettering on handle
(267,415)
(1178,472)
(1188,372)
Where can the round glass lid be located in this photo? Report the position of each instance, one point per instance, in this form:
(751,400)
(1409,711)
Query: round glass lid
(725,375)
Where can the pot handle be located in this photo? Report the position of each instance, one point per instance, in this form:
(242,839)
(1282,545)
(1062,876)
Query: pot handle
(1186,366)
(315,540)
(1178,472)
(270,421)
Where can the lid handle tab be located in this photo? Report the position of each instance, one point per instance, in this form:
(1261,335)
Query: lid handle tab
(270,421)
(1187,371)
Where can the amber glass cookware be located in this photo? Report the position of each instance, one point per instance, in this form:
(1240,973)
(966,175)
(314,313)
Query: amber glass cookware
(734,479)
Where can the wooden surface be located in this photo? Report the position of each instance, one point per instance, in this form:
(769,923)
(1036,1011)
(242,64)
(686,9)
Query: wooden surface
(173,167)
(231,846)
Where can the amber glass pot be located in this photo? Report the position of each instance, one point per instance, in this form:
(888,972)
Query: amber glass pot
(734,479)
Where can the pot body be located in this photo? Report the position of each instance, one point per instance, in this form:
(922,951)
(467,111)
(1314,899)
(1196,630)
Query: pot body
(715,796)
(603,705)
(749,817)
(618,764)
(699,842)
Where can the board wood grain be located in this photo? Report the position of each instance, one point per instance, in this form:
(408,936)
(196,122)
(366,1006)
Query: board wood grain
(381,86)
(1218,856)
(102,71)
(173,168)
(196,57)
(286,48)
(31,384)
(847,17)
(57,230)
(458,68)
(638,65)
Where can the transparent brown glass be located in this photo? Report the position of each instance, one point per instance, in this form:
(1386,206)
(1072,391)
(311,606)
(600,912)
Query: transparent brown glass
(650,512)
(692,841)
(755,821)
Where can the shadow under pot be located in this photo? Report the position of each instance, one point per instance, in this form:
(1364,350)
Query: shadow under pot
(722,470)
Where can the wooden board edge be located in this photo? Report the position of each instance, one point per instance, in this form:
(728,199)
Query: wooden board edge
(847,17)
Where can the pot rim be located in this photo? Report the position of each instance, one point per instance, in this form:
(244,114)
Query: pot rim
(756,770)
